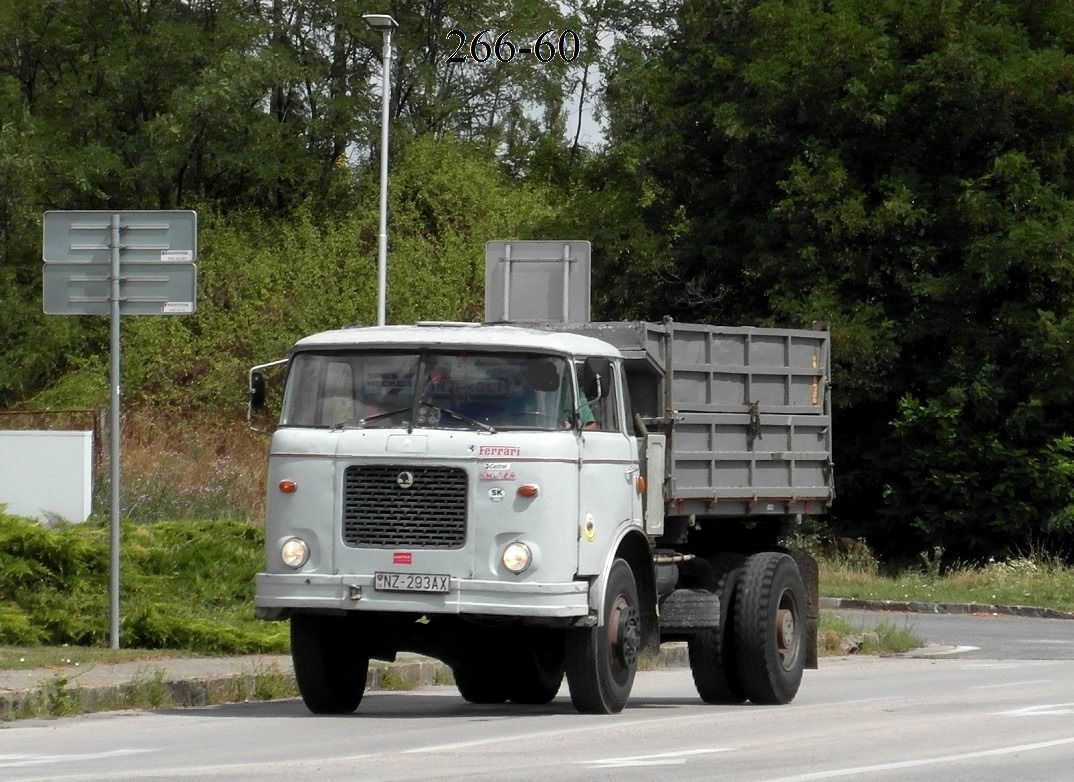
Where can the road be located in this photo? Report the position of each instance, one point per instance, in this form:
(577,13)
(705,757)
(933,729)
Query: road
(883,720)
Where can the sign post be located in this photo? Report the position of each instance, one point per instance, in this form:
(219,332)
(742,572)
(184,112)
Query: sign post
(119,263)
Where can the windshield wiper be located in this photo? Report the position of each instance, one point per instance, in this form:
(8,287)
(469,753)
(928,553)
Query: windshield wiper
(460,417)
(368,420)
(378,416)
(387,414)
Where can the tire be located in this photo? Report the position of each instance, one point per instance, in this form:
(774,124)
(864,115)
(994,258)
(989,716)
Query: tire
(330,666)
(479,682)
(713,661)
(539,670)
(770,628)
(602,661)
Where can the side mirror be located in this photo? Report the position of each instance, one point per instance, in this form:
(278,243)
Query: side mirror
(257,391)
(596,377)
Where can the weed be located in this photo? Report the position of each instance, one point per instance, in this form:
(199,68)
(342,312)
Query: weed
(838,636)
(148,693)
(390,680)
(60,701)
(932,562)
(187,470)
(273,684)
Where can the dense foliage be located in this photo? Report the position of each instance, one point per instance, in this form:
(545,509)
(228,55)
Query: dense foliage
(901,170)
(184,585)
(897,168)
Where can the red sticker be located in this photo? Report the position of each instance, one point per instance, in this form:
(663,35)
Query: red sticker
(402,558)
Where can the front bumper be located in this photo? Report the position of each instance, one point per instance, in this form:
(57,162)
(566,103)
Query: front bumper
(277,593)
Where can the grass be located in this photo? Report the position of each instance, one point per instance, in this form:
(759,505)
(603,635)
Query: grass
(838,637)
(67,657)
(1039,581)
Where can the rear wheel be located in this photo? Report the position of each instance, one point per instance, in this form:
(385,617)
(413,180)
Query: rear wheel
(712,651)
(770,628)
(330,665)
(602,661)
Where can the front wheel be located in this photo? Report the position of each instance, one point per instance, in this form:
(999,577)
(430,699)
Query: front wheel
(330,665)
(480,671)
(770,628)
(538,671)
(480,680)
(602,661)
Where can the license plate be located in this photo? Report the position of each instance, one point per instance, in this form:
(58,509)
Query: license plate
(411,582)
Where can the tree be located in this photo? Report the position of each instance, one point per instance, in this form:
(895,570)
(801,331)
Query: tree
(899,170)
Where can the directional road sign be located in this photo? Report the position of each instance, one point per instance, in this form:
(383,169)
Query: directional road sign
(144,288)
(145,236)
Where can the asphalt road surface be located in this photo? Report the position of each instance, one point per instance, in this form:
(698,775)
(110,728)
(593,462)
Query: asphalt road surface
(959,718)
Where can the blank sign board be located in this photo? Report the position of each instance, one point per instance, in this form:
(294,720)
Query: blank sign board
(537,281)
(47,475)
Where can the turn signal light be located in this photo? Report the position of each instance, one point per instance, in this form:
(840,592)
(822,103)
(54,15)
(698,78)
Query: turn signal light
(529,490)
(640,482)
(288,487)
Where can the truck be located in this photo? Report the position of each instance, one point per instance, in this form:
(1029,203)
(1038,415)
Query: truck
(539,496)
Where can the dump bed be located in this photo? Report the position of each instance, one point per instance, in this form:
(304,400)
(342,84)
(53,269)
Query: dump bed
(747,412)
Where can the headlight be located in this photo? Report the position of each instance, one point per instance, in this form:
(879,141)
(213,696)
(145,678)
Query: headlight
(295,552)
(516,557)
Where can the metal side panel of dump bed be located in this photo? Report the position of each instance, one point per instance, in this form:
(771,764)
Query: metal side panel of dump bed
(747,412)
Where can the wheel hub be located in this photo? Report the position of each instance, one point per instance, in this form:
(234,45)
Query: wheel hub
(628,636)
(787,640)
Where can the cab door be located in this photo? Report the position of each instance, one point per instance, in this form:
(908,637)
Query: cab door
(607,493)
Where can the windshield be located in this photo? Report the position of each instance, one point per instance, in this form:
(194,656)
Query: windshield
(425,388)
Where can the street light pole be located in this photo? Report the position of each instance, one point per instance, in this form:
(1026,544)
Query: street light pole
(386,24)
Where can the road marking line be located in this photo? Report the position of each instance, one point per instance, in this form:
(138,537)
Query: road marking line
(927,652)
(16,761)
(988,753)
(1006,666)
(663,759)
(590,728)
(1037,711)
(1010,684)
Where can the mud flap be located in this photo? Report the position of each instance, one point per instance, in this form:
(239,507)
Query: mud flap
(810,572)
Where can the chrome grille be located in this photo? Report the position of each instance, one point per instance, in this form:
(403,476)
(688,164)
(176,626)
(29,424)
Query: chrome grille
(379,509)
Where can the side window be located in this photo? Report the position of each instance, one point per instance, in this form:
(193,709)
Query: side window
(599,398)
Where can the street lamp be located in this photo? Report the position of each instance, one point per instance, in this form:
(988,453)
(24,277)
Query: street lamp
(386,25)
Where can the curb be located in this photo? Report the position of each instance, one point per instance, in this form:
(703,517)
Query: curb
(913,607)
(156,689)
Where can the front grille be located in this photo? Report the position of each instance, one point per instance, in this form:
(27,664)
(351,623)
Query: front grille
(380,510)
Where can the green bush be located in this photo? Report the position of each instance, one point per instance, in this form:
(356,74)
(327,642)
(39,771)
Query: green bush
(183,585)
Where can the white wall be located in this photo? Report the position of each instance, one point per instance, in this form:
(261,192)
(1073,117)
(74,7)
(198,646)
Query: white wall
(45,474)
